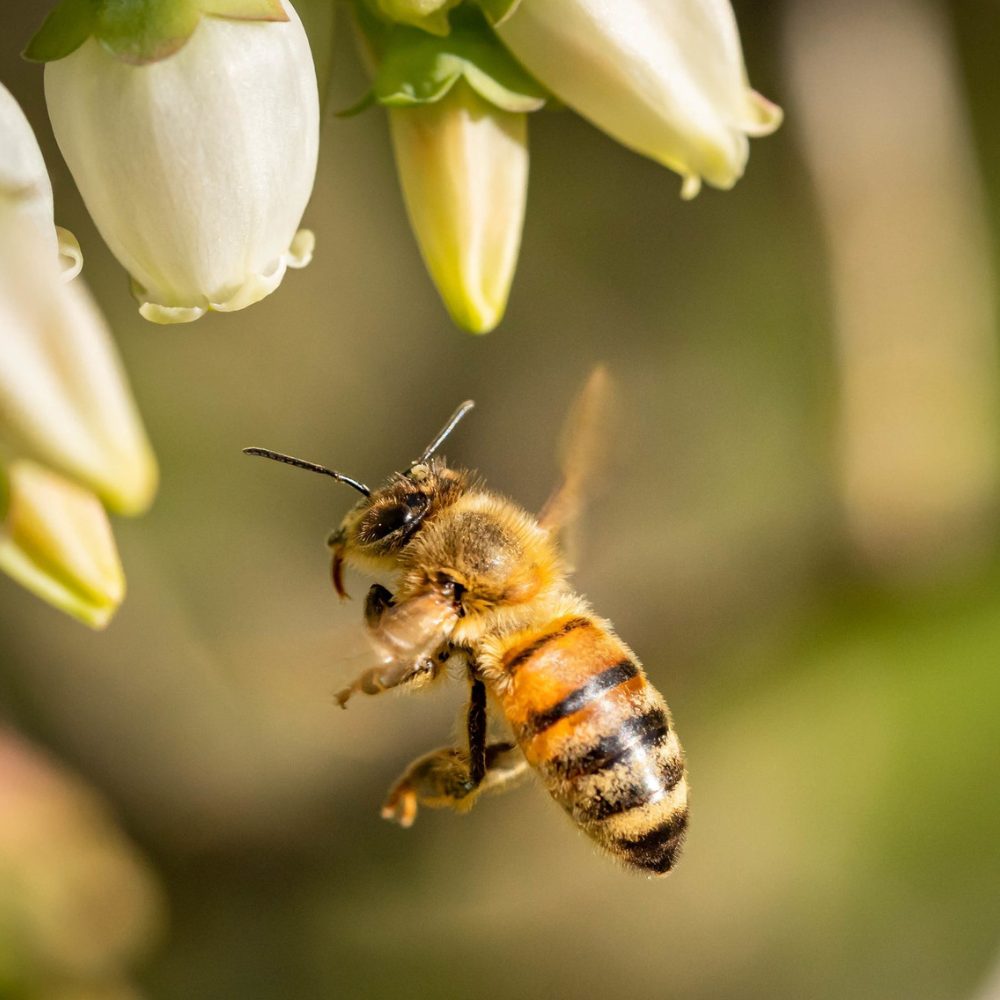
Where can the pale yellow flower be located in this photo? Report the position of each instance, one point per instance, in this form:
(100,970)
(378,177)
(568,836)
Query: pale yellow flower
(463,166)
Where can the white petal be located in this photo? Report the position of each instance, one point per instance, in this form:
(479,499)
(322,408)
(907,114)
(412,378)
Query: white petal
(666,78)
(196,169)
(24,182)
(64,399)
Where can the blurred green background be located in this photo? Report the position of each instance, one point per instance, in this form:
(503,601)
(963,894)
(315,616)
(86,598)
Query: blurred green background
(796,533)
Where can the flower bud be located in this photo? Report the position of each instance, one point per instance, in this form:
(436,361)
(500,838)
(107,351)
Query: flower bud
(196,168)
(463,166)
(665,79)
(55,541)
(78,903)
(64,400)
(24,182)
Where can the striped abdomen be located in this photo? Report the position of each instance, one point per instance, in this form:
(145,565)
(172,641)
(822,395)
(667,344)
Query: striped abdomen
(600,735)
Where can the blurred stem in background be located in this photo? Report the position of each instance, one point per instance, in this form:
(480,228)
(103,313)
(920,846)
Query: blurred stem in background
(912,296)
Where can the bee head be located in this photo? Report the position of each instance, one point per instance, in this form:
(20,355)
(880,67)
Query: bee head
(381,524)
(378,528)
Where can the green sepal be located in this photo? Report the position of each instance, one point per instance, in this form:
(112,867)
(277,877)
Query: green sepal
(418,68)
(245,10)
(497,11)
(64,30)
(434,20)
(145,31)
(363,104)
(137,31)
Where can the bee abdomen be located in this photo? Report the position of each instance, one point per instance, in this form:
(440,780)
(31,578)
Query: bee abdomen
(628,789)
(601,737)
(656,850)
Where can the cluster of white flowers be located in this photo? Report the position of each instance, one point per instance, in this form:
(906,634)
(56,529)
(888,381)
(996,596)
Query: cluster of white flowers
(191,129)
(70,436)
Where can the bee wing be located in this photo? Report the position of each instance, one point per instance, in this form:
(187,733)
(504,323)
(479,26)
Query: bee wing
(413,629)
(581,451)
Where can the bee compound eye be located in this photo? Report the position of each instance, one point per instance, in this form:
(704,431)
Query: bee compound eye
(398,516)
(389,520)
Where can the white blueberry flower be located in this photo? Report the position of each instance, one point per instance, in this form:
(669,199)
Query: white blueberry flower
(64,402)
(663,77)
(196,168)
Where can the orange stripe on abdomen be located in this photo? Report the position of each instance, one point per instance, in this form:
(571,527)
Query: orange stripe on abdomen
(601,738)
(545,668)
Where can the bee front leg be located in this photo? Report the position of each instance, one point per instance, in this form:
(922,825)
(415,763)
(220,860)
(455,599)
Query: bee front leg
(399,669)
(375,680)
(377,602)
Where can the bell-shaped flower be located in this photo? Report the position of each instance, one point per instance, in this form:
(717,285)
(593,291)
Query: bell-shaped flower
(64,399)
(196,167)
(463,167)
(663,77)
(55,540)
(25,184)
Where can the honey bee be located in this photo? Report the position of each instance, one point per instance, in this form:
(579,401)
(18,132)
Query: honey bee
(482,584)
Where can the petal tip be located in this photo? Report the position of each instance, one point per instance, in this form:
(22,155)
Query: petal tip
(300,252)
(70,254)
(766,116)
(690,186)
(156,312)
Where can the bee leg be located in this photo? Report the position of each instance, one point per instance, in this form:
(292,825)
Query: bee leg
(441,780)
(378,600)
(390,675)
(476,729)
(452,778)
(375,680)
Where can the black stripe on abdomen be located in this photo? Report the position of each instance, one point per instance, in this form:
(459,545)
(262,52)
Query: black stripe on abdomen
(643,786)
(541,641)
(538,722)
(641,732)
(657,850)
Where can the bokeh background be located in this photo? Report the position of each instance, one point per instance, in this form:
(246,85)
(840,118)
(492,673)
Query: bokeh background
(796,531)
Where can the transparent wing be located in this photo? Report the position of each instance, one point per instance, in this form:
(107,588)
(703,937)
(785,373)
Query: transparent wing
(582,449)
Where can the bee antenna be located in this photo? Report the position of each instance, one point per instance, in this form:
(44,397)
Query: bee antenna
(444,432)
(311,466)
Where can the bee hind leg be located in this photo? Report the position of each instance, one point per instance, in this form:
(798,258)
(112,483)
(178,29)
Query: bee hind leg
(442,779)
(452,778)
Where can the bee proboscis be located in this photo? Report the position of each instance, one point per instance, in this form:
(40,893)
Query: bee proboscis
(482,582)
